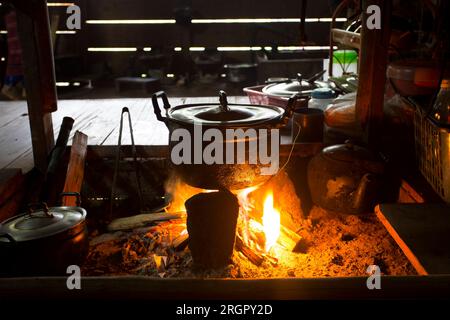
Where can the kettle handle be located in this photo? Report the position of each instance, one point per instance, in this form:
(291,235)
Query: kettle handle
(72,194)
(290,107)
(43,205)
(156,108)
(8,236)
(365,193)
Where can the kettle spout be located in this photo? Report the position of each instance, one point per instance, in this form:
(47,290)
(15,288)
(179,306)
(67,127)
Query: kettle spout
(365,194)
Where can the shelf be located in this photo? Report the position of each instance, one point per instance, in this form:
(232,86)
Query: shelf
(347,38)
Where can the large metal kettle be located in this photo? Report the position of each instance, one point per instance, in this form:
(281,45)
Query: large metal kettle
(345,178)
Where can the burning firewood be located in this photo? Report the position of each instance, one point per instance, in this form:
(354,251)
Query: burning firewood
(251,255)
(288,239)
(142,220)
(180,242)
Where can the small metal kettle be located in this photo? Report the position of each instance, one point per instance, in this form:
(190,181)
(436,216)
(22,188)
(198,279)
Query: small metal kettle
(345,178)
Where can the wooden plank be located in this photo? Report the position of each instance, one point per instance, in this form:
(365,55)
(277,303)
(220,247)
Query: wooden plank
(212,35)
(14,140)
(75,169)
(110,151)
(164,9)
(423,233)
(145,288)
(11,110)
(99,120)
(34,33)
(372,72)
(407,194)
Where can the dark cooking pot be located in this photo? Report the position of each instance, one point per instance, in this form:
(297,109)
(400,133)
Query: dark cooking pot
(43,242)
(222,116)
(345,178)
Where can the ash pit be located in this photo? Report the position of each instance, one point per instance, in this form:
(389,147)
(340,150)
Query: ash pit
(274,239)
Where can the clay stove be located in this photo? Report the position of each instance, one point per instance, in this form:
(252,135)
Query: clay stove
(274,238)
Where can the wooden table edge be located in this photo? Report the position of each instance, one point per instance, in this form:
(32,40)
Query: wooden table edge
(406,250)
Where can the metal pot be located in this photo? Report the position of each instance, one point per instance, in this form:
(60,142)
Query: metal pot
(286,88)
(43,242)
(345,178)
(222,116)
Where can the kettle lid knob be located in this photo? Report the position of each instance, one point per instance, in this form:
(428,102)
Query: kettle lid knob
(349,144)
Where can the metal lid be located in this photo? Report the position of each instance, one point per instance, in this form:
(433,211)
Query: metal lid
(288,88)
(41,224)
(348,152)
(225,114)
(322,93)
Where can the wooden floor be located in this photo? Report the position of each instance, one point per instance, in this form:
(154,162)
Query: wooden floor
(98,118)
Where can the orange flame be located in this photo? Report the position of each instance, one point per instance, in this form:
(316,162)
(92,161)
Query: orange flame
(251,229)
(270,222)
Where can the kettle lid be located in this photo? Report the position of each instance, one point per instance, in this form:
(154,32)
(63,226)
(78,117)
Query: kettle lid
(348,152)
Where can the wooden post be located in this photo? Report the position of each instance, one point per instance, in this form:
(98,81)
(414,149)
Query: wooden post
(34,32)
(372,71)
(75,169)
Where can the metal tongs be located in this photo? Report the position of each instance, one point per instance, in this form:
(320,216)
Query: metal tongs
(117,161)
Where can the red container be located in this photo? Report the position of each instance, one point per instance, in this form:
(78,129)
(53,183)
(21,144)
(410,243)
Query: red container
(257,96)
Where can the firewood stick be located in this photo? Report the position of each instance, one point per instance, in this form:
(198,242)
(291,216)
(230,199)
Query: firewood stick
(286,242)
(75,168)
(288,239)
(180,242)
(142,220)
(254,258)
(291,234)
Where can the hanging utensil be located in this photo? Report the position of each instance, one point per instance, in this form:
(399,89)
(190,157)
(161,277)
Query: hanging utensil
(117,161)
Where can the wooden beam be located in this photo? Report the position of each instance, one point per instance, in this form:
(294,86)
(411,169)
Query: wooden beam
(34,32)
(372,72)
(406,250)
(145,288)
(75,169)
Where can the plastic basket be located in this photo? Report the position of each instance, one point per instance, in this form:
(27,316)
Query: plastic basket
(433,153)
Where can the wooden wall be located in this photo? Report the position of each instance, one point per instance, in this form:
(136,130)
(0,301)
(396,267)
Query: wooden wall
(172,35)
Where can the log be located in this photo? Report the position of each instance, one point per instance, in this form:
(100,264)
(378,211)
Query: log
(75,169)
(288,239)
(180,242)
(252,256)
(141,220)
